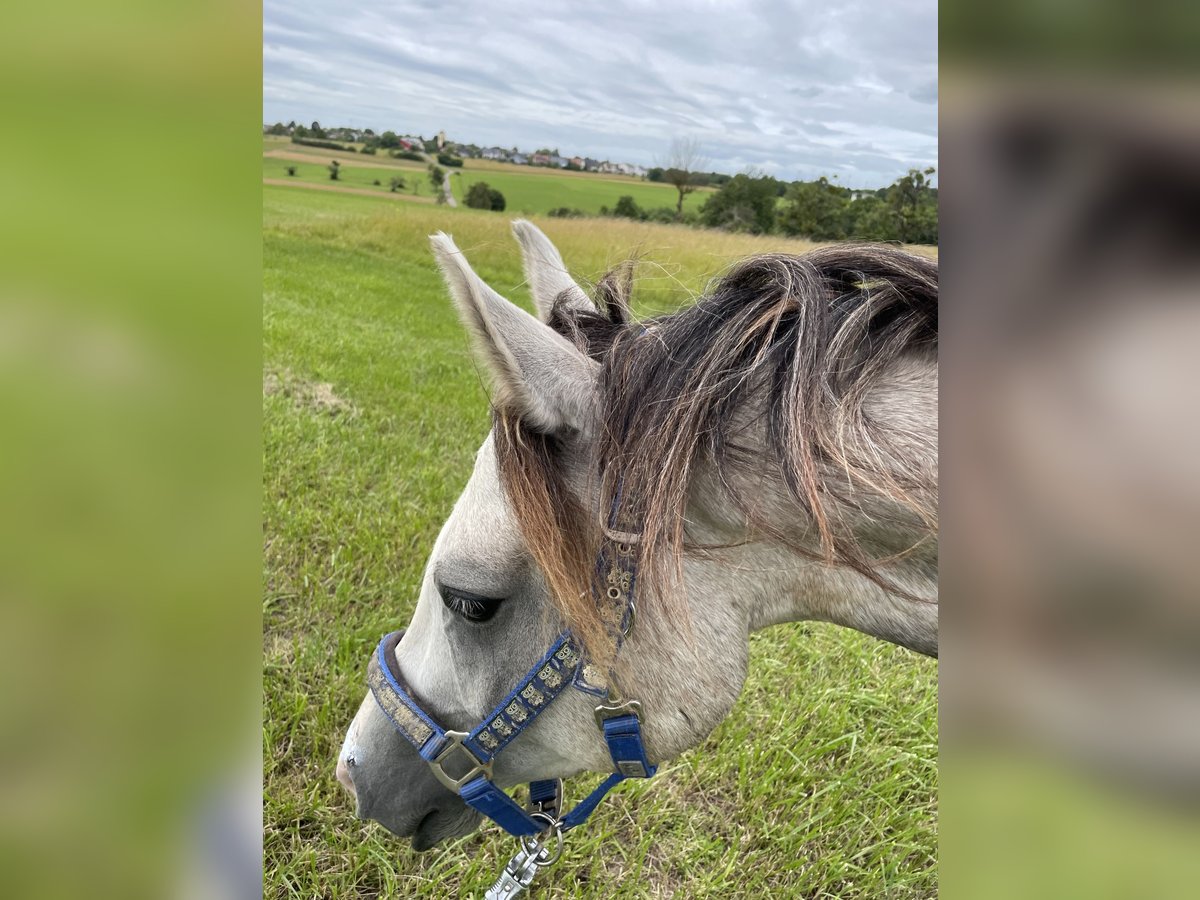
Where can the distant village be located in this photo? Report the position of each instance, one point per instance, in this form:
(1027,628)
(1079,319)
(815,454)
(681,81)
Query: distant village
(581,163)
(418,144)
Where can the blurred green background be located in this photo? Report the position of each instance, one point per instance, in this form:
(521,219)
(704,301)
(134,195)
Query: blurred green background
(130,457)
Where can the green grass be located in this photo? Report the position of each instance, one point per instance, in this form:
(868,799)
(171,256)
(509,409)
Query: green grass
(354,176)
(821,783)
(530,190)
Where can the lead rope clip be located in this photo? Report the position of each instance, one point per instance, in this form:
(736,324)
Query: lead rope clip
(534,854)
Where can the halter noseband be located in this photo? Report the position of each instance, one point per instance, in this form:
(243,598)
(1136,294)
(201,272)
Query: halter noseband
(561,666)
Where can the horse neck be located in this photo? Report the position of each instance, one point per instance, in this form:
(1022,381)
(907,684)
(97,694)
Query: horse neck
(773,583)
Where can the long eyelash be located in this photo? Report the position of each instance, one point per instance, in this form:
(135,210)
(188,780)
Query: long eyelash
(469,606)
(465,606)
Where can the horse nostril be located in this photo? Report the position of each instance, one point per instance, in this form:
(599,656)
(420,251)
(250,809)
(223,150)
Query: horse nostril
(343,772)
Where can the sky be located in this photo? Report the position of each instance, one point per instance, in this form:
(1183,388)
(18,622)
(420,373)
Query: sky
(790,88)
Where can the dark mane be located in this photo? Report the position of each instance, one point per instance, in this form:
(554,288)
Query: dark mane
(780,354)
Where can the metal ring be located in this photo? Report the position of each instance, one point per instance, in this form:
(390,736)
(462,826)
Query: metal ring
(532,844)
(614,593)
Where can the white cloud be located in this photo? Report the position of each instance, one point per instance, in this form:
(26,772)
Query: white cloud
(796,87)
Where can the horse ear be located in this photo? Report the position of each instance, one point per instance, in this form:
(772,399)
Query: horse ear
(535,371)
(546,272)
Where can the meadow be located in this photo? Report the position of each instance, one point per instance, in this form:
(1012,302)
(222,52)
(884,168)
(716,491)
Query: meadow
(354,175)
(821,783)
(528,190)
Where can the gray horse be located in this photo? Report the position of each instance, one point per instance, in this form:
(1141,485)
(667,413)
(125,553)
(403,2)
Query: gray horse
(773,447)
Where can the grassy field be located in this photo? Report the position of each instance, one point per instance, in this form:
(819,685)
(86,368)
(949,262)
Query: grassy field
(416,178)
(821,783)
(529,191)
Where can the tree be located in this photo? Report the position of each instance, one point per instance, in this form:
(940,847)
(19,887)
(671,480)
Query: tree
(335,169)
(317,130)
(683,161)
(818,210)
(913,199)
(481,195)
(278,128)
(745,203)
(397,184)
(870,218)
(437,177)
(388,140)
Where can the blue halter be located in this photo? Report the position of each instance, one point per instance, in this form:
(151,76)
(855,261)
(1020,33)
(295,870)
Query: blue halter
(561,666)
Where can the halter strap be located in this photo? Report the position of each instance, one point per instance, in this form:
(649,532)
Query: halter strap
(545,681)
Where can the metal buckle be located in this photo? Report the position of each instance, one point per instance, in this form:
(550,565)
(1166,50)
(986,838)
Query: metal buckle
(548,808)
(612,710)
(454,741)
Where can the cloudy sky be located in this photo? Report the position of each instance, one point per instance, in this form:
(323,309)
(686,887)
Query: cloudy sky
(794,88)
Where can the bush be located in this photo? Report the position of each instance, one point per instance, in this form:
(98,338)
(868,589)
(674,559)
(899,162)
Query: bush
(369,151)
(376,183)
(662,214)
(566,212)
(335,169)
(406,154)
(481,195)
(453,162)
(820,210)
(396,184)
(627,208)
(309,142)
(291,170)
(744,203)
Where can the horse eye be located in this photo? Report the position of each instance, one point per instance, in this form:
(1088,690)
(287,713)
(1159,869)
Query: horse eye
(472,607)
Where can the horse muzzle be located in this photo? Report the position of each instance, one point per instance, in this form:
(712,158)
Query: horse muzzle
(393,786)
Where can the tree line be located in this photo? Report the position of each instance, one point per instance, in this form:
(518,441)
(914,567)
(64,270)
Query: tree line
(821,210)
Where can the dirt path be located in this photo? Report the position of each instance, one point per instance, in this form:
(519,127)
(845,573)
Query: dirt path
(362,192)
(450,201)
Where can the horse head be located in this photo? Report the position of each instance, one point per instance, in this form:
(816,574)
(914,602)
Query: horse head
(595,413)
